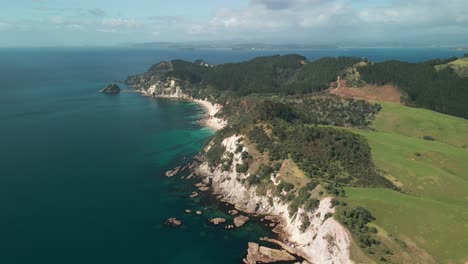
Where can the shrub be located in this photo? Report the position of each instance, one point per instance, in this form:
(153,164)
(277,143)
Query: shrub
(214,154)
(429,138)
(305,223)
(242,168)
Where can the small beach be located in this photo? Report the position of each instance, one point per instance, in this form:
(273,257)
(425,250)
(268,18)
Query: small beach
(211,110)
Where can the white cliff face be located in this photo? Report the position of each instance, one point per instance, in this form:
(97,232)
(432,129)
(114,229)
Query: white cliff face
(324,241)
(168,89)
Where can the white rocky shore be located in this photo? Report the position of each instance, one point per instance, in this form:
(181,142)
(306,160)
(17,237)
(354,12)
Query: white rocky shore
(171,89)
(324,241)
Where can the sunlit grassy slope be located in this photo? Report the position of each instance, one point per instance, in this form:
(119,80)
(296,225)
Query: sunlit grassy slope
(432,210)
(460,66)
(417,122)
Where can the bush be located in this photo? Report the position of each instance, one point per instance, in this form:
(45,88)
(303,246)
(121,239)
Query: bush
(305,223)
(284,186)
(428,138)
(214,154)
(242,168)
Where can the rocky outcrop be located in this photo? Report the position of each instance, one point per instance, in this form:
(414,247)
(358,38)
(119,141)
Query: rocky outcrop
(240,220)
(217,220)
(174,222)
(173,172)
(168,88)
(324,241)
(233,212)
(260,254)
(111,89)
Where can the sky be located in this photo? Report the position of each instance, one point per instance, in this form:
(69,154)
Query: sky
(115,22)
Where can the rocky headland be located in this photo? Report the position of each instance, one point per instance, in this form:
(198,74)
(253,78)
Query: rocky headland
(111,89)
(324,240)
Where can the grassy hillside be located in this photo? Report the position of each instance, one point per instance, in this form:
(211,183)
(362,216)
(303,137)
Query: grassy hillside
(460,66)
(417,122)
(434,175)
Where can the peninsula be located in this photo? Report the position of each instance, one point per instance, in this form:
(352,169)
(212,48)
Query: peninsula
(356,162)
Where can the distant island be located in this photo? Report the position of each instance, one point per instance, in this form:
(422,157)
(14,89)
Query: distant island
(352,161)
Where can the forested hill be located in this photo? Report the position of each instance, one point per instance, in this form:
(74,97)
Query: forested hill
(425,84)
(289,74)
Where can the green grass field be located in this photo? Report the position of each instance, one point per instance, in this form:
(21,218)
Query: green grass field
(434,175)
(417,122)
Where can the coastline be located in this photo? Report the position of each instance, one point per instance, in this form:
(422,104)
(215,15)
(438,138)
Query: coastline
(209,120)
(324,241)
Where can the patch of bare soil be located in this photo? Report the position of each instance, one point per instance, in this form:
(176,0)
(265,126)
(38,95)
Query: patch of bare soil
(388,93)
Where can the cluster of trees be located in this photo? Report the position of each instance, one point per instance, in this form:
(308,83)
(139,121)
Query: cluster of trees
(356,220)
(303,199)
(315,110)
(440,90)
(322,153)
(331,110)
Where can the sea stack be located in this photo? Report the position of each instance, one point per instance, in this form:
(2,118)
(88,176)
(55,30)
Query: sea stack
(111,88)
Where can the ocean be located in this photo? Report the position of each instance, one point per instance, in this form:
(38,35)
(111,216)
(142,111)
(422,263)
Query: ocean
(81,173)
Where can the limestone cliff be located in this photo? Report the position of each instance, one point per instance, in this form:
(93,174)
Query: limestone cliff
(170,88)
(324,241)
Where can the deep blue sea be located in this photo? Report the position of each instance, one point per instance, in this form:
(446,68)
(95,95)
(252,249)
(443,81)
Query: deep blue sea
(81,173)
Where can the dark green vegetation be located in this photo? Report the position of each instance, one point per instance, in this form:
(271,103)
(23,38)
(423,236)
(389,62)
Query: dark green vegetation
(321,152)
(441,90)
(325,110)
(356,220)
(289,74)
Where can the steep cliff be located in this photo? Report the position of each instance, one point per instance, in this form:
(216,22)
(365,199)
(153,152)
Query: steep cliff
(323,241)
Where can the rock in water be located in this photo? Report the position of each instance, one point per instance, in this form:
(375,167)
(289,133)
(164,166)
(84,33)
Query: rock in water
(111,88)
(233,212)
(240,220)
(203,189)
(259,254)
(217,220)
(173,172)
(174,222)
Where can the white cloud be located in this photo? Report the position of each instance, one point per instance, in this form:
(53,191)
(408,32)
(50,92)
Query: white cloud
(57,20)
(333,19)
(273,20)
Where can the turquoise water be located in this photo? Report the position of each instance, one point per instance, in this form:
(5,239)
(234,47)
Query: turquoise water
(81,172)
